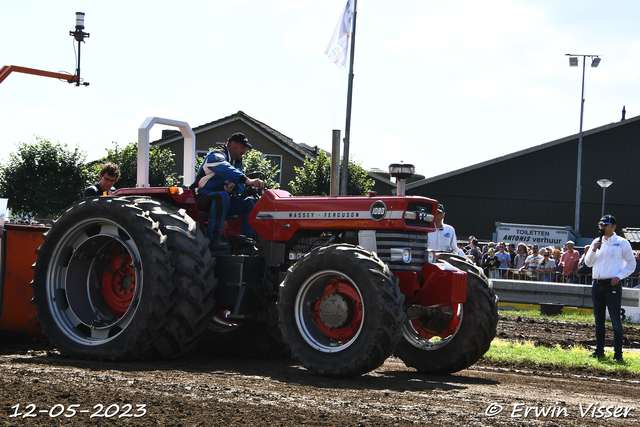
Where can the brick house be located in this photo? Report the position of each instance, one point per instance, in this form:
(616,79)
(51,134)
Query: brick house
(278,148)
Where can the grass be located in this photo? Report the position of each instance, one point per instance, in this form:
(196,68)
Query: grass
(576,356)
(536,314)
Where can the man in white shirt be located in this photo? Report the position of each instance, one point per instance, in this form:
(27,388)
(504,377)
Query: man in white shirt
(612,260)
(444,238)
(532,261)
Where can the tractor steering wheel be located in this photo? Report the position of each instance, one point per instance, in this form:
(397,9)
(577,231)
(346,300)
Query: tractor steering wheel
(251,191)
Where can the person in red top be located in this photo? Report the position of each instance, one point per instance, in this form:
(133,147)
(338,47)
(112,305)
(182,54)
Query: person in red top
(570,261)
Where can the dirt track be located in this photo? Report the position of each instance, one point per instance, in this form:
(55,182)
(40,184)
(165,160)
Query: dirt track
(200,391)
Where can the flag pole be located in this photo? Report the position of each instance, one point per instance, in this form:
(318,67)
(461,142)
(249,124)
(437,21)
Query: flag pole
(347,127)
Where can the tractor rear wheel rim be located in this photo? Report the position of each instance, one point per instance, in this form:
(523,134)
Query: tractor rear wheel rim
(75,281)
(335,331)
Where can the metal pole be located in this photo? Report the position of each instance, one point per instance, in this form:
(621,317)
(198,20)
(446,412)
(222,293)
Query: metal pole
(335,163)
(347,127)
(604,191)
(78,69)
(579,178)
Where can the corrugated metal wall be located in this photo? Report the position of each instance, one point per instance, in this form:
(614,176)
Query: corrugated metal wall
(382,188)
(612,154)
(537,186)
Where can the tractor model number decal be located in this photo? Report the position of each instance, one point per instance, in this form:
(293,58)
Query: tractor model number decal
(378,210)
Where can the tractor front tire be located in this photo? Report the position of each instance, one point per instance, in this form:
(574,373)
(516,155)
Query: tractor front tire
(117,280)
(477,320)
(340,311)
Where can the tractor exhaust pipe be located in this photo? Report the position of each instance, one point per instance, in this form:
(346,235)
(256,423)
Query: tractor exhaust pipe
(401,172)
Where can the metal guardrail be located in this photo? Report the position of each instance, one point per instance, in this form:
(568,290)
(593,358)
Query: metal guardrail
(580,279)
(570,295)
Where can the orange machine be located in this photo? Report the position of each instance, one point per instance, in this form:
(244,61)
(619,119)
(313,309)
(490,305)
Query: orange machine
(8,69)
(17,314)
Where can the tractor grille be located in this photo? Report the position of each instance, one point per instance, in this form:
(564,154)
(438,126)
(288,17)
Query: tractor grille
(385,240)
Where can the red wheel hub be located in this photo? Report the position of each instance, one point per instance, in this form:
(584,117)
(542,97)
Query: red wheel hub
(119,284)
(223,317)
(448,331)
(339,311)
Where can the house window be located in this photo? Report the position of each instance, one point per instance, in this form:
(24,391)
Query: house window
(200,155)
(276,160)
(203,153)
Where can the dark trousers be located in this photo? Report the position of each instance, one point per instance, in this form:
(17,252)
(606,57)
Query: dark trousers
(219,204)
(603,297)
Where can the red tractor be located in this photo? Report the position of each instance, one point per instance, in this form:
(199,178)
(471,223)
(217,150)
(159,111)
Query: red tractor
(340,282)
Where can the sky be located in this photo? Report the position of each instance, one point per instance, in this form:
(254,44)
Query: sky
(439,84)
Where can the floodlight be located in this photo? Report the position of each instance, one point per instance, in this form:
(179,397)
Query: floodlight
(401,170)
(79,20)
(604,183)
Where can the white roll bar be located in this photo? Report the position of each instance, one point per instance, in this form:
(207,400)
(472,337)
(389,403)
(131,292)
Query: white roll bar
(188,169)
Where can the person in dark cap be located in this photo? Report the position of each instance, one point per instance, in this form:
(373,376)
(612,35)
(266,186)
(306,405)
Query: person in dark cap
(444,238)
(218,183)
(612,260)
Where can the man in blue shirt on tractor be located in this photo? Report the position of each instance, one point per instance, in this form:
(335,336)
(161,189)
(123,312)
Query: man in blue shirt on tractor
(218,186)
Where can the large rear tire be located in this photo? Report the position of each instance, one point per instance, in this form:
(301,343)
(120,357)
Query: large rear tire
(468,336)
(340,311)
(120,278)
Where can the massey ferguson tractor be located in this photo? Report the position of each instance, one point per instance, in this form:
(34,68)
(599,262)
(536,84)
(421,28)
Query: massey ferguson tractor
(341,283)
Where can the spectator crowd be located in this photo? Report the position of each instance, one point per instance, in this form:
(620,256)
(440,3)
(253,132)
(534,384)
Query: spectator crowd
(531,262)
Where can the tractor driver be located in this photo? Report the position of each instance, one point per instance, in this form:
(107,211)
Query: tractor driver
(219,183)
(109,174)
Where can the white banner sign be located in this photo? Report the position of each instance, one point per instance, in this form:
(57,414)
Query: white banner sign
(3,211)
(532,234)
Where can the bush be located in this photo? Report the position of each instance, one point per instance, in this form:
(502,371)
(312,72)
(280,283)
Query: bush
(314,178)
(40,179)
(161,165)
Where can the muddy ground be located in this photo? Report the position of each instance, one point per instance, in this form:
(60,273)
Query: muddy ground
(198,390)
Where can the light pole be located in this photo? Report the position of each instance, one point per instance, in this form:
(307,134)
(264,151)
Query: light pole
(573,62)
(79,35)
(604,183)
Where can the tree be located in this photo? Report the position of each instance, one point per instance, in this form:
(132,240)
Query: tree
(42,178)
(254,161)
(161,165)
(314,178)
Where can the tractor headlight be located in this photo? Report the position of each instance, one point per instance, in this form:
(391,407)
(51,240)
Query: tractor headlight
(432,257)
(401,254)
(419,214)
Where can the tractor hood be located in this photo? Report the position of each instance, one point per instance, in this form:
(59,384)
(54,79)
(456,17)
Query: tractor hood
(278,215)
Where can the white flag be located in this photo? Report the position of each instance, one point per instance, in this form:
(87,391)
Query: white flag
(339,46)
